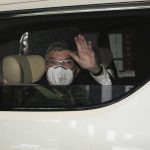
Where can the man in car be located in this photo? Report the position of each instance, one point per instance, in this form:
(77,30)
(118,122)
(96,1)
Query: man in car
(74,64)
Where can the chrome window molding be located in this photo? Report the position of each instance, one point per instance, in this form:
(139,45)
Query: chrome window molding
(142,5)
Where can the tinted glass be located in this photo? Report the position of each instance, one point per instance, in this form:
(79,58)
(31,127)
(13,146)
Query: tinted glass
(122,35)
(70,97)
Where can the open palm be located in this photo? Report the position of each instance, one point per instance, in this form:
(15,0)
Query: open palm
(86,56)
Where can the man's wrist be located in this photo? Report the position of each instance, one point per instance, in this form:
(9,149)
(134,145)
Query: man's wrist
(97,73)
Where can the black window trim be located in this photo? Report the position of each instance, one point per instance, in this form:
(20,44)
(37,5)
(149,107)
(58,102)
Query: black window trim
(75,10)
(140,5)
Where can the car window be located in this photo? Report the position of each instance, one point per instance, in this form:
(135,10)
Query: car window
(120,40)
(71,97)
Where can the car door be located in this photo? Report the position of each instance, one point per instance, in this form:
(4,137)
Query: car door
(113,117)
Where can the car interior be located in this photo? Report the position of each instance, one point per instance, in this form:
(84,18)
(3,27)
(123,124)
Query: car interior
(120,42)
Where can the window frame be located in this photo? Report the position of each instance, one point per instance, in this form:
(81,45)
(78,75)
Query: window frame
(108,10)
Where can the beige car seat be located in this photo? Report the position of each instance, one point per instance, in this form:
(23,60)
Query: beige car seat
(23,69)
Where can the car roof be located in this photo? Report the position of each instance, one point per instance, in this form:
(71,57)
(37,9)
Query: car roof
(9,5)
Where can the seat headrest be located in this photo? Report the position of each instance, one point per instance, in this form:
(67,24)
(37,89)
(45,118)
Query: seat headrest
(106,56)
(23,69)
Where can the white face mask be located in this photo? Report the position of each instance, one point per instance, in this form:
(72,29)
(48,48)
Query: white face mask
(59,75)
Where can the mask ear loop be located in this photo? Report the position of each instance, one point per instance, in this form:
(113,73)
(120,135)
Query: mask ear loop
(74,69)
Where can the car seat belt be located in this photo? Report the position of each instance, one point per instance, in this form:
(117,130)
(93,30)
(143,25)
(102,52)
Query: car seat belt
(26,74)
(47,93)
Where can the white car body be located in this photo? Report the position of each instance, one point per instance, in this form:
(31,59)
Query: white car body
(123,125)
(9,5)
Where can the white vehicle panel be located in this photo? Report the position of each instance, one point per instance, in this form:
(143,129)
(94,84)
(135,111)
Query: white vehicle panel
(121,126)
(9,5)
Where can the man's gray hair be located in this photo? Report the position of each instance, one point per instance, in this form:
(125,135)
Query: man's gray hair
(59,46)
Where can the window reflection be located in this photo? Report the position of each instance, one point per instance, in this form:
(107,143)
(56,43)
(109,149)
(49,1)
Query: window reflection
(64,97)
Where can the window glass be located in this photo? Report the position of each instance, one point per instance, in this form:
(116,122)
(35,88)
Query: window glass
(71,97)
(120,43)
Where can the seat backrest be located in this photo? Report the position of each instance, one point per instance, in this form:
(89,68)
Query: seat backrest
(23,69)
(106,59)
(106,56)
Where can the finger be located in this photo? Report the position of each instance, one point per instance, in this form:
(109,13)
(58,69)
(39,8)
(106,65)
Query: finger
(83,42)
(78,44)
(90,46)
(75,57)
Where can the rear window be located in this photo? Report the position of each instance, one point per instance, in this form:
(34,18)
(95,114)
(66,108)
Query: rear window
(120,41)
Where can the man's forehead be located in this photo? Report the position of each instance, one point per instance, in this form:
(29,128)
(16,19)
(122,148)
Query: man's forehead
(59,54)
